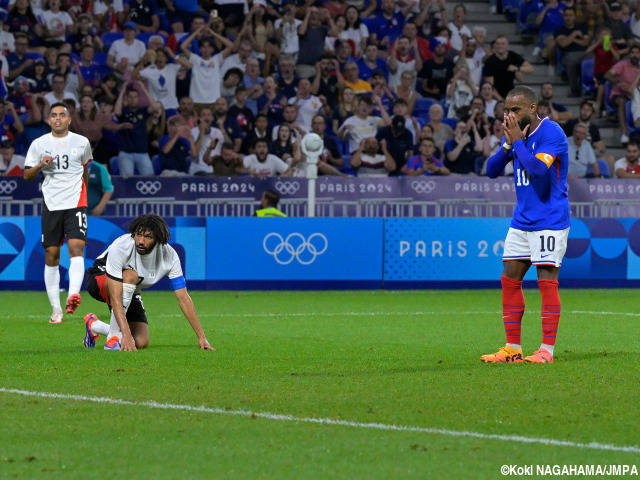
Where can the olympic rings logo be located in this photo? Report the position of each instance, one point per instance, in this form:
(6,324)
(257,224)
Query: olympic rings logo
(287,188)
(148,187)
(295,247)
(421,186)
(7,186)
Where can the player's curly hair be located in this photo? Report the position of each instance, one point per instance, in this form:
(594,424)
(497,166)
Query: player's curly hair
(150,222)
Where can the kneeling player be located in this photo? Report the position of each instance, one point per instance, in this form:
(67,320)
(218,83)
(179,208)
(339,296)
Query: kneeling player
(132,262)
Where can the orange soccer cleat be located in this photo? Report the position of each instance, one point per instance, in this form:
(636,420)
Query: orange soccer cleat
(505,355)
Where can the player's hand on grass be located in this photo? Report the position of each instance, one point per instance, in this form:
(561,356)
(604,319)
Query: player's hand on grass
(204,344)
(127,344)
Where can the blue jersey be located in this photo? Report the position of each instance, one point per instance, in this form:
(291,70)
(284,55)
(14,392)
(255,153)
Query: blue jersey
(540,167)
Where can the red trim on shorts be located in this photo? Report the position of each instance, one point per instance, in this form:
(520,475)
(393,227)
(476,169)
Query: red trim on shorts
(101,280)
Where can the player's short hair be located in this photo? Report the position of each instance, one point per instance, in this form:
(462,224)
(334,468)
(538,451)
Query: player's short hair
(527,92)
(272,197)
(60,104)
(150,222)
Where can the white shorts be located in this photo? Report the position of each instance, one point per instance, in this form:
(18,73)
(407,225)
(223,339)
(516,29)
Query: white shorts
(544,247)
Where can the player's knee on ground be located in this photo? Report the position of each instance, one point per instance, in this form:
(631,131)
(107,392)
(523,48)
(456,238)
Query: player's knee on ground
(141,342)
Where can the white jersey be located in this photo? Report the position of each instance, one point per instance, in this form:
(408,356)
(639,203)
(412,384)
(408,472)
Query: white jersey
(205,78)
(216,136)
(133,53)
(271,166)
(122,255)
(307,109)
(362,129)
(162,84)
(63,187)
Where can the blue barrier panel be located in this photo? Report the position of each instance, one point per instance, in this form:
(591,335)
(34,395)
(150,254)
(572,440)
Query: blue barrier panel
(229,253)
(286,251)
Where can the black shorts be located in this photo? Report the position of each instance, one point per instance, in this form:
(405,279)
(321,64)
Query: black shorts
(57,224)
(97,288)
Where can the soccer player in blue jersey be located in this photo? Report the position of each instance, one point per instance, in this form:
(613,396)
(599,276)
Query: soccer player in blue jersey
(540,226)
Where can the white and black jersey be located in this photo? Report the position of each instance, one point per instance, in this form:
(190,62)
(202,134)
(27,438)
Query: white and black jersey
(122,255)
(63,187)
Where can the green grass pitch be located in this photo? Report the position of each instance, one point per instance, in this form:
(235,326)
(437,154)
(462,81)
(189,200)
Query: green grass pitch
(346,359)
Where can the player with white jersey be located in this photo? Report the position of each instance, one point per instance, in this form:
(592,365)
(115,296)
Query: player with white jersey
(132,262)
(63,158)
(541,220)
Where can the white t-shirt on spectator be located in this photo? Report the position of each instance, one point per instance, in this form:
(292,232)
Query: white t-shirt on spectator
(362,129)
(50,97)
(162,83)
(215,135)
(307,109)
(56,22)
(99,7)
(269,168)
(289,43)
(134,52)
(7,42)
(372,166)
(205,78)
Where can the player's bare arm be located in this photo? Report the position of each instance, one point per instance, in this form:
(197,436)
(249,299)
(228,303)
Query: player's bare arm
(114,287)
(31,173)
(189,310)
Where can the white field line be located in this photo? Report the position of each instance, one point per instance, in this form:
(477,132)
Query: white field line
(356,314)
(329,421)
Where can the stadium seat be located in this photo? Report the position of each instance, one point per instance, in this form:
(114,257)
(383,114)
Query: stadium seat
(452,122)
(157,166)
(421,109)
(603,166)
(114,168)
(586,74)
(110,37)
(631,127)
(100,58)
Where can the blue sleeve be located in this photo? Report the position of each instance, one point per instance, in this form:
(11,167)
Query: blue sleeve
(496,164)
(162,142)
(178,283)
(531,163)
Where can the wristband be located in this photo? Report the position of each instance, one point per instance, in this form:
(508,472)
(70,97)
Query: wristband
(507,146)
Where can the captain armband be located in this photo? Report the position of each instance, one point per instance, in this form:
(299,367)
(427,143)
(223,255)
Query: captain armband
(178,282)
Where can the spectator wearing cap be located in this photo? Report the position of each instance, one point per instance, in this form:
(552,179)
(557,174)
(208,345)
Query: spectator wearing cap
(99,189)
(327,82)
(56,25)
(387,26)
(17,61)
(398,141)
(401,59)
(312,34)
(144,14)
(125,53)
(39,75)
(438,71)
(11,165)
(621,35)
(370,62)
(504,67)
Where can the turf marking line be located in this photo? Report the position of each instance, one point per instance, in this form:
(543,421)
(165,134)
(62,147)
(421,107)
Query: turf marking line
(329,421)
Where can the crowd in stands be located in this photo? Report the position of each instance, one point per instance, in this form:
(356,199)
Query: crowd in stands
(229,88)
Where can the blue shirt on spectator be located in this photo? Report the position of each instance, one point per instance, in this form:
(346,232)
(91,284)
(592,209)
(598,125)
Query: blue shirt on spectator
(176,159)
(134,140)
